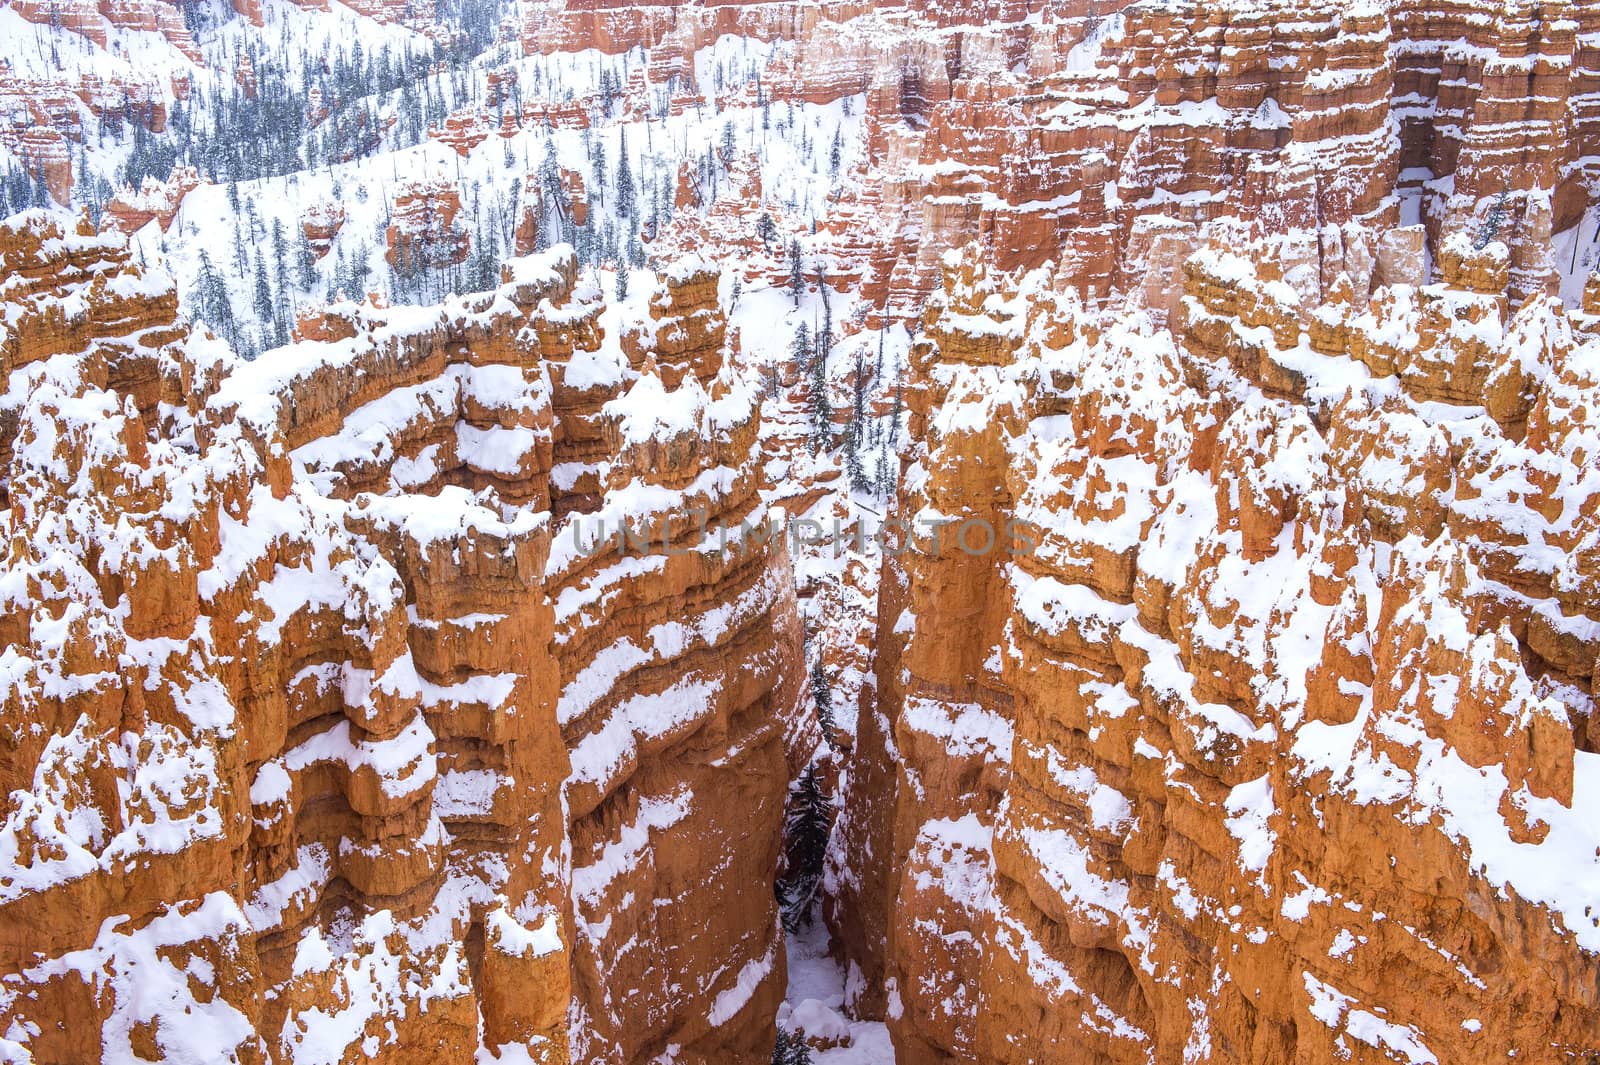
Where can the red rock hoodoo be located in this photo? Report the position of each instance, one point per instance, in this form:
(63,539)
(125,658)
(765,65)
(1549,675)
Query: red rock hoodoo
(303,672)
(1271,737)
(429,677)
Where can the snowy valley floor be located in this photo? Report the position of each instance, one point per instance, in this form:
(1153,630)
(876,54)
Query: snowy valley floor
(815,1004)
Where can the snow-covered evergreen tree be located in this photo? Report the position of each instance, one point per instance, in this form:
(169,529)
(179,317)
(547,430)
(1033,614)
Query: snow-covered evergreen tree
(819,410)
(305,262)
(800,348)
(822,697)
(888,457)
(626,192)
(210,300)
(797,270)
(807,827)
(263,300)
(1492,222)
(854,437)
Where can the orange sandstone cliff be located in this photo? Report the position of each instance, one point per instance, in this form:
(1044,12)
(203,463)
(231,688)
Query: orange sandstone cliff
(1272,739)
(323,740)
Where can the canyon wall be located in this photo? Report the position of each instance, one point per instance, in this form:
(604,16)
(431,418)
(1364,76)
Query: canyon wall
(416,692)
(1269,733)
(322,736)
(1103,137)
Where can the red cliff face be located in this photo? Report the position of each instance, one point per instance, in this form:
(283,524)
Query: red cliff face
(681,641)
(1267,745)
(425,232)
(322,728)
(1071,136)
(155,201)
(430,689)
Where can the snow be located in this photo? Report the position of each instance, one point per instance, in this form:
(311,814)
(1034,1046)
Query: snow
(1559,872)
(954,856)
(731,1001)
(648,411)
(1339,1011)
(1069,870)
(814,1004)
(603,755)
(272,784)
(1249,806)
(462,793)
(372,982)
(589,882)
(146,975)
(1054,607)
(1161,515)
(966,729)
(403,763)
(1343,944)
(511,936)
(55,832)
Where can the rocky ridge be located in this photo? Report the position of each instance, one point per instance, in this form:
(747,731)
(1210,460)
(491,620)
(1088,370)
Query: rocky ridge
(1245,712)
(320,727)
(1104,138)
(1270,735)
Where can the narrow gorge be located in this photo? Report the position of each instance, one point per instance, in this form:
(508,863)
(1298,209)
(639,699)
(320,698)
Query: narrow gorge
(905,533)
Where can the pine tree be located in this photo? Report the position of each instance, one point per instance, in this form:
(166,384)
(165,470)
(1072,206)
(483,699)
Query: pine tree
(211,302)
(822,696)
(834,153)
(853,441)
(403,273)
(485,269)
(583,243)
(305,262)
(820,410)
(280,259)
(625,187)
(552,191)
(807,827)
(800,348)
(1492,222)
(622,279)
(888,463)
(597,156)
(360,265)
(825,337)
(780,1049)
(263,305)
(797,272)
(766,230)
(799,1052)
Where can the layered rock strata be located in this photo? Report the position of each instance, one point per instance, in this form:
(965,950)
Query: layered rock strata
(1271,738)
(322,738)
(1105,137)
